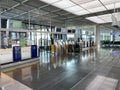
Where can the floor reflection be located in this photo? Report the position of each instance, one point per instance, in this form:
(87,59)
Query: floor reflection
(7,83)
(52,61)
(53,71)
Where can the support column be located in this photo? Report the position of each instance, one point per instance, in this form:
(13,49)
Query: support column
(80,34)
(0,28)
(29,20)
(29,34)
(97,36)
(0,39)
(0,19)
(111,36)
(8,23)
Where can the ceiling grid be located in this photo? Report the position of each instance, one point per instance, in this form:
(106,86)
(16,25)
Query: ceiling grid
(78,11)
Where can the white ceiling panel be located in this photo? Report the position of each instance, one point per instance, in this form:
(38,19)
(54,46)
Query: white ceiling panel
(112,6)
(117,15)
(82,7)
(106,17)
(92,4)
(95,19)
(106,2)
(97,9)
(117,5)
(74,9)
(63,4)
(81,12)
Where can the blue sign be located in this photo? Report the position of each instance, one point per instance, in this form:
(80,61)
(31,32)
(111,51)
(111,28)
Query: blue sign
(114,33)
(34,51)
(16,53)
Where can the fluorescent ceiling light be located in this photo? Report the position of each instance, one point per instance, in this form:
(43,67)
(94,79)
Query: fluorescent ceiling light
(92,4)
(97,9)
(63,4)
(74,9)
(95,19)
(50,1)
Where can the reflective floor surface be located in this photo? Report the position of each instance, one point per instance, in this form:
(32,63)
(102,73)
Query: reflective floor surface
(89,70)
(7,83)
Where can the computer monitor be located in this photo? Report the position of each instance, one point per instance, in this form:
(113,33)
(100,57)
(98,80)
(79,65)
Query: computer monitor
(58,30)
(69,31)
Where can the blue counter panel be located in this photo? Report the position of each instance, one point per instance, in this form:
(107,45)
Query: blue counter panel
(34,51)
(16,53)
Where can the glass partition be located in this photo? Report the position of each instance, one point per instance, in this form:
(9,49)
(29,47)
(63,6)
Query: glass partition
(23,38)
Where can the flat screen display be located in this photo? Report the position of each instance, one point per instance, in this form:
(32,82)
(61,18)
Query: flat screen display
(69,31)
(58,30)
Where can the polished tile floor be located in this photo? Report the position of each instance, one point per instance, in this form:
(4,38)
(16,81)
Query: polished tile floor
(89,70)
(7,83)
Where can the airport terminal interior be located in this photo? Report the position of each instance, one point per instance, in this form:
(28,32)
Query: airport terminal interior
(59,44)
